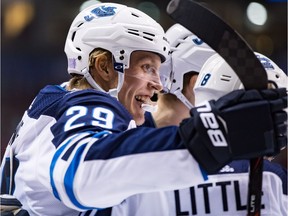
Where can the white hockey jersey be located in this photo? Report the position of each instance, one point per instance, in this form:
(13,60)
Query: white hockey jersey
(223,194)
(71,157)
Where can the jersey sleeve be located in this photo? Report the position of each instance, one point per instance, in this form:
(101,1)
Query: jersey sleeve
(99,161)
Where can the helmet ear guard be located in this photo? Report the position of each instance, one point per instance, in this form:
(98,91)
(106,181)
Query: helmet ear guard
(166,75)
(217,78)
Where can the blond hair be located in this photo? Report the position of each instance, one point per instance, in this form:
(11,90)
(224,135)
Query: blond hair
(79,81)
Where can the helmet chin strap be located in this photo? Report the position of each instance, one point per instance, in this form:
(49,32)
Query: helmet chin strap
(119,68)
(113,92)
(182,98)
(91,81)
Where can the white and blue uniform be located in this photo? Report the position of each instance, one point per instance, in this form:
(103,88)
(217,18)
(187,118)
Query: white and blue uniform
(79,151)
(223,194)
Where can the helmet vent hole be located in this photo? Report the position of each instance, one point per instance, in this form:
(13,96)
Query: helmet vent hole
(79,57)
(73,35)
(145,35)
(134,32)
(226,78)
(80,24)
(148,38)
(133,14)
(78,48)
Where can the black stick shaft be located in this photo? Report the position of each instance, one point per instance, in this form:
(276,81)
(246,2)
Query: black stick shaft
(255,187)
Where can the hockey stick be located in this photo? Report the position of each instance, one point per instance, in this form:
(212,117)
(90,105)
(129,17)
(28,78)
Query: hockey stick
(238,54)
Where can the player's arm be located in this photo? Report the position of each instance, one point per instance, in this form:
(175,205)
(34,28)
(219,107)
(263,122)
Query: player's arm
(115,166)
(97,165)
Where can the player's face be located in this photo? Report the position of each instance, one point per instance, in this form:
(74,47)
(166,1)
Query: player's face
(141,81)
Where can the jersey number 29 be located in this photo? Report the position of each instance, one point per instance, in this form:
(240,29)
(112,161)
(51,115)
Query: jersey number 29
(102,117)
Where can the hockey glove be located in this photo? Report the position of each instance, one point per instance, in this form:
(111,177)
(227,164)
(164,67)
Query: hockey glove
(240,125)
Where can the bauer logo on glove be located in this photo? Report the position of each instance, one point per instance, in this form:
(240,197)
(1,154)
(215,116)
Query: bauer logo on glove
(209,121)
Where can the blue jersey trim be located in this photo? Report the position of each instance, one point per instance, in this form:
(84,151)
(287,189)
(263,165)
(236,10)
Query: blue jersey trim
(204,173)
(52,167)
(62,87)
(69,178)
(70,174)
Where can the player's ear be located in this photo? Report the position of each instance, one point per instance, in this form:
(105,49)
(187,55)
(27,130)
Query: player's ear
(192,80)
(189,83)
(103,67)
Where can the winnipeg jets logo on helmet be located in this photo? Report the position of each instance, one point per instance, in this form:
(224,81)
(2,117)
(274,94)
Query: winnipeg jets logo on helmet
(101,11)
(197,40)
(274,72)
(265,62)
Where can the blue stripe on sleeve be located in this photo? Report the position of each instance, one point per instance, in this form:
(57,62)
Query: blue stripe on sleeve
(69,177)
(52,167)
(71,171)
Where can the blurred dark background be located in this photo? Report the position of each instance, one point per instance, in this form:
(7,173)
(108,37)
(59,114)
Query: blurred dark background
(33,34)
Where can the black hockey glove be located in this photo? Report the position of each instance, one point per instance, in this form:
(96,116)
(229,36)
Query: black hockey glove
(240,125)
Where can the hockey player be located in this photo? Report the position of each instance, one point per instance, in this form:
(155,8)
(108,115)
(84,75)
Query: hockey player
(230,185)
(224,193)
(189,53)
(77,147)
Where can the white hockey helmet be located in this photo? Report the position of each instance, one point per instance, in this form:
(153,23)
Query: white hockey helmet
(217,78)
(116,28)
(188,53)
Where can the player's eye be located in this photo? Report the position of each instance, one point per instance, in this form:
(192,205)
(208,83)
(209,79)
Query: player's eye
(149,69)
